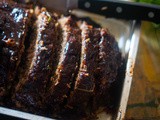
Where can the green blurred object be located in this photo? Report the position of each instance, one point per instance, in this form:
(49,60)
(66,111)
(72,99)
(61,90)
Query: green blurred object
(151,35)
(157,2)
(157,26)
(150,1)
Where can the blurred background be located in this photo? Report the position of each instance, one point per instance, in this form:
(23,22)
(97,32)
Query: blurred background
(144,100)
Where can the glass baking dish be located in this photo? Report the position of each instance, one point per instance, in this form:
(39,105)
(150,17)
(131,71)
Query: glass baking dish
(127,34)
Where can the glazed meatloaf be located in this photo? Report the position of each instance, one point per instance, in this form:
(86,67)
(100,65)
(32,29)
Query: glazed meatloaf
(31,88)
(68,63)
(14,22)
(85,80)
(62,64)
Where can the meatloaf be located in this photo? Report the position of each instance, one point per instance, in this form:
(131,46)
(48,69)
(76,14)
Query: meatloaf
(85,81)
(68,63)
(109,60)
(34,78)
(67,66)
(14,22)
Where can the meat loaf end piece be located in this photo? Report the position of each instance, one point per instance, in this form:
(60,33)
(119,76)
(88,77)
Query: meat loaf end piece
(14,22)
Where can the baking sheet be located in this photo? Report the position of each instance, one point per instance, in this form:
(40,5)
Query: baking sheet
(127,35)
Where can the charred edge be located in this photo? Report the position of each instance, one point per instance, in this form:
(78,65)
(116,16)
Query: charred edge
(109,62)
(67,66)
(14,37)
(31,88)
(85,81)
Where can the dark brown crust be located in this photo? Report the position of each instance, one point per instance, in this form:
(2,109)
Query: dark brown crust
(32,87)
(14,22)
(85,82)
(68,63)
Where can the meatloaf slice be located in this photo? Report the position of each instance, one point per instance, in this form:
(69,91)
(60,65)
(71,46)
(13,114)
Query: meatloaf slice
(14,22)
(68,63)
(32,84)
(85,81)
(107,70)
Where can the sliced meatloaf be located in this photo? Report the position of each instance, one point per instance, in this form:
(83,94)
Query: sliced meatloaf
(33,80)
(68,63)
(62,66)
(85,81)
(107,70)
(14,22)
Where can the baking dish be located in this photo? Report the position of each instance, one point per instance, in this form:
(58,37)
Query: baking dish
(127,35)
